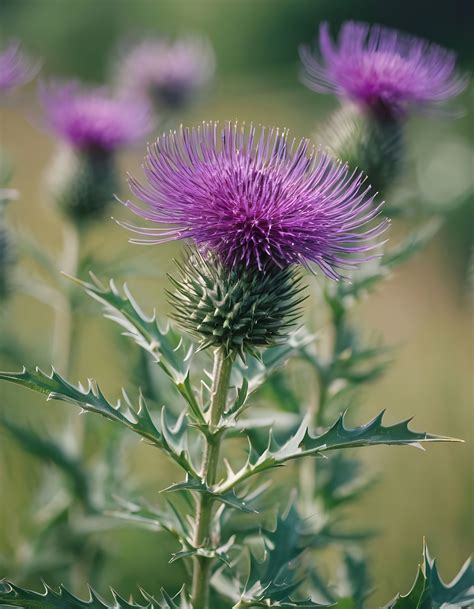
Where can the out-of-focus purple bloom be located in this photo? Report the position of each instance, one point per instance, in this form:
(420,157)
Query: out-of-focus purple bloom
(16,68)
(381,69)
(254,197)
(167,72)
(93,118)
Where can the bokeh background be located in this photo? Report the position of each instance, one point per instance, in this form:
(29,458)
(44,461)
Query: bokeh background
(424,310)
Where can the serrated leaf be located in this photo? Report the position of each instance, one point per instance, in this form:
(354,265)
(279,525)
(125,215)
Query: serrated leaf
(273,581)
(430,592)
(197,486)
(90,398)
(144,515)
(302,444)
(257,370)
(14,596)
(168,348)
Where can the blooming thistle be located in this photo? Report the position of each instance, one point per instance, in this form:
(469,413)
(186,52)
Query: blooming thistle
(16,68)
(94,124)
(94,118)
(255,198)
(169,73)
(381,69)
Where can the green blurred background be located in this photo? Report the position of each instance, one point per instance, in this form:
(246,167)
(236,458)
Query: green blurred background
(425,309)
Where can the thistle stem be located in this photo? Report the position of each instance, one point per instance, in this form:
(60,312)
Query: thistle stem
(203,524)
(64,321)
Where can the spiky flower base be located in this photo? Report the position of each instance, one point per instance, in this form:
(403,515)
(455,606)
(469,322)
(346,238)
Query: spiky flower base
(375,147)
(84,183)
(238,308)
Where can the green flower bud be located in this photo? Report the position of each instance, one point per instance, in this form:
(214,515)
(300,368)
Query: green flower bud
(241,309)
(83,183)
(377,147)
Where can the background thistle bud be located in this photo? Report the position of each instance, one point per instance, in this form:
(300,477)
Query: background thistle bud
(242,309)
(376,147)
(83,183)
(7,257)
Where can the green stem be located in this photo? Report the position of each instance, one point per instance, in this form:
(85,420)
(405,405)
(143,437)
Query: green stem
(203,523)
(64,321)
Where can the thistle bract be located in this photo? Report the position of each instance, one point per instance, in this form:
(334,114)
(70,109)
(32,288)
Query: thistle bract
(255,198)
(93,118)
(376,147)
(16,68)
(381,69)
(83,183)
(237,308)
(169,73)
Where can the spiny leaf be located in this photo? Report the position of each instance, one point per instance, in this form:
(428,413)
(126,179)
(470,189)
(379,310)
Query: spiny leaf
(302,444)
(14,596)
(430,592)
(169,349)
(90,398)
(257,370)
(144,515)
(272,581)
(197,486)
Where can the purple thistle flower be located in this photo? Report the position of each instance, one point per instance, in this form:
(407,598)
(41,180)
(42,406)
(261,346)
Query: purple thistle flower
(381,69)
(16,68)
(253,198)
(93,118)
(167,72)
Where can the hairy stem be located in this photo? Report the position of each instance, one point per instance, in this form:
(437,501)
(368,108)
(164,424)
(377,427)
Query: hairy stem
(203,523)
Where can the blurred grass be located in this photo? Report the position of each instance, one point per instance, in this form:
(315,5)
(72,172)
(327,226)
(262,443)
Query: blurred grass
(424,309)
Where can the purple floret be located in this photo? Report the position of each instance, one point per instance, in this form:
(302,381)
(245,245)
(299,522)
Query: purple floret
(381,69)
(254,197)
(168,72)
(93,118)
(16,68)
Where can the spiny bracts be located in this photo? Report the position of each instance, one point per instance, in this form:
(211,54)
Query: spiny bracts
(242,309)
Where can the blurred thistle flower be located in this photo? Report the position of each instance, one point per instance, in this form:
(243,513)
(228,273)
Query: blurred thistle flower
(168,73)
(255,198)
(92,118)
(383,70)
(94,124)
(16,68)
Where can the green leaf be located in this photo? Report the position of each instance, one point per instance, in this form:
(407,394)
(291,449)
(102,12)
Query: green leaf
(256,371)
(339,436)
(90,398)
(50,451)
(14,596)
(273,581)
(197,486)
(168,348)
(430,592)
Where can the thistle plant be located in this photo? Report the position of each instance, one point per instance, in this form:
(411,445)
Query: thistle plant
(166,73)
(258,212)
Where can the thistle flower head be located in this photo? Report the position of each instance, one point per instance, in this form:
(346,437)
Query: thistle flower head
(253,197)
(238,309)
(167,72)
(381,69)
(16,68)
(93,118)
